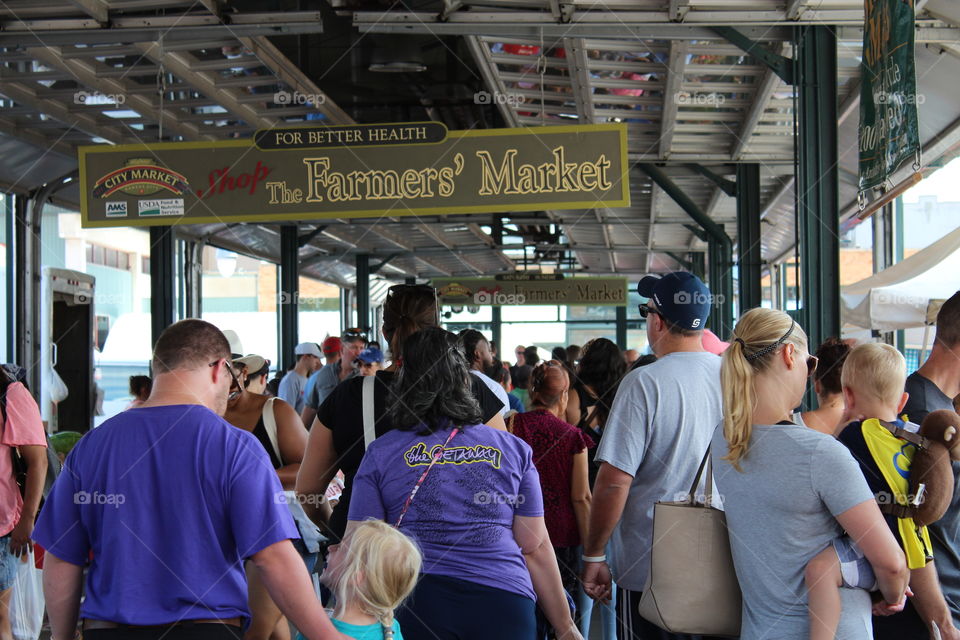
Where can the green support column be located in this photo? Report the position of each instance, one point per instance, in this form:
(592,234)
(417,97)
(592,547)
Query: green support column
(901,337)
(288,300)
(720,250)
(622,327)
(11,281)
(749,260)
(163,285)
(816,189)
(363,291)
(699,262)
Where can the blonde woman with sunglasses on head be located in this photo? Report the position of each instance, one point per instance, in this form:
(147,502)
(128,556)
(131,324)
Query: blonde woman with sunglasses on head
(789,491)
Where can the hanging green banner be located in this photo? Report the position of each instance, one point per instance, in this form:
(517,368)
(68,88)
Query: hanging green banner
(889,132)
(312,173)
(500,292)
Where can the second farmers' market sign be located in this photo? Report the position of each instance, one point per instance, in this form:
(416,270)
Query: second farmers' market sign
(355,171)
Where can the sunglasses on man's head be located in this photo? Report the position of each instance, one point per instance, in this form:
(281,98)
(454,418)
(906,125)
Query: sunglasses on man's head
(354,334)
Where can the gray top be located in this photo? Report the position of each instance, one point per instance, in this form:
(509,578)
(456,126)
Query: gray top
(659,428)
(328,377)
(781,513)
(290,389)
(925,397)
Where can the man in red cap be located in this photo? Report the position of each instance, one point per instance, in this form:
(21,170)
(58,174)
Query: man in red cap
(331,349)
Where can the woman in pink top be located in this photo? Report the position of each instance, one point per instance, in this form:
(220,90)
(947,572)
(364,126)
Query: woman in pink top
(22,428)
(560,456)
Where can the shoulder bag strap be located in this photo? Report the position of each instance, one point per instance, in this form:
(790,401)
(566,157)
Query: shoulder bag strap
(903,434)
(707,463)
(270,422)
(436,456)
(369,418)
(585,423)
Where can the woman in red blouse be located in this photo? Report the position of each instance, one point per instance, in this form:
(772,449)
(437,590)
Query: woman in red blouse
(560,456)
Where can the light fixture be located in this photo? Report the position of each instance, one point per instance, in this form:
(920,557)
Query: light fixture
(398,54)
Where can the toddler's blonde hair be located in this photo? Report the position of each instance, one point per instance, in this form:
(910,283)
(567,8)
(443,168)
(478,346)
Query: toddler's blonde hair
(379,571)
(876,370)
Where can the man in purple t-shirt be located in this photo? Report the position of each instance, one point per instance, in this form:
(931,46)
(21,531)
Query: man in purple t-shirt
(165,503)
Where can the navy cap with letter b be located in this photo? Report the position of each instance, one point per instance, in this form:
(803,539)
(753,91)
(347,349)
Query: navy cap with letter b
(680,297)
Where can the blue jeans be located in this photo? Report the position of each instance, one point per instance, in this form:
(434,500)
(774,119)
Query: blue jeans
(9,564)
(608,612)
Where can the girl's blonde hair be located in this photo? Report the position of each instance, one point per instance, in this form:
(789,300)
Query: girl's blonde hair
(757,336)
(378,572)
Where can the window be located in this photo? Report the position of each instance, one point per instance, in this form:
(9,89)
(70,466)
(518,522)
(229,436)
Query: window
(107,257)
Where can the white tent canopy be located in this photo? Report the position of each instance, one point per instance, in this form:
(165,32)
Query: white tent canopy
(899,297)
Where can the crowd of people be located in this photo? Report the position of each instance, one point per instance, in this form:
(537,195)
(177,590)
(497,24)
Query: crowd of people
(427,489)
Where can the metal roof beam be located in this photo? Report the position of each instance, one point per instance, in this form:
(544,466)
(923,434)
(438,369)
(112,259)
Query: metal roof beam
(578,68)
(493,80)
(85,73)
(776,62)
(296,79)
(96,9)
(408,248)
(47,143)
(490,242)
(55,109)
(436,237)
(761,100)
(671,105)
(194,31)
(179,64)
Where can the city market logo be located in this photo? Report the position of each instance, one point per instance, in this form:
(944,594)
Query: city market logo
(454,290)
(140,177)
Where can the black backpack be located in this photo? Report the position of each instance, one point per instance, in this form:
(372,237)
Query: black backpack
(9,374)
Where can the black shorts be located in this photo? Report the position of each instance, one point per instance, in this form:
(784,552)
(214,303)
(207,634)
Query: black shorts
(442,608)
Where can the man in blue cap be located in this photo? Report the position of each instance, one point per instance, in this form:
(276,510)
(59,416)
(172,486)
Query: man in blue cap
(659,428)
(370,361)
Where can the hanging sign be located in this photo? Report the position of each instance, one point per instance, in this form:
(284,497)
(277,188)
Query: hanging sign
(497,292)
(889,131)
(312,173)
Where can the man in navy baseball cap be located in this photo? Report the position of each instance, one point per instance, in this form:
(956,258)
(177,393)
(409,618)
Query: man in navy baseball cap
(679,297)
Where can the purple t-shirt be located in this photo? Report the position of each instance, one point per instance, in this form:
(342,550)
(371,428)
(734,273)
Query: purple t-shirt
(171,500)
(462,515)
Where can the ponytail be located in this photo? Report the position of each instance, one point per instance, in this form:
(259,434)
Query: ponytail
(739,400)
(757,336)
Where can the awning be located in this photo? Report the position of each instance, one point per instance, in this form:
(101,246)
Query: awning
(903,295)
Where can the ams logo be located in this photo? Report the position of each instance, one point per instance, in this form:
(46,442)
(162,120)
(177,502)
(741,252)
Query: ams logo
(116,209)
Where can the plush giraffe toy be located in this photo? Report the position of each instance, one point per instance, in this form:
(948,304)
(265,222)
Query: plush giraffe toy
(931,466)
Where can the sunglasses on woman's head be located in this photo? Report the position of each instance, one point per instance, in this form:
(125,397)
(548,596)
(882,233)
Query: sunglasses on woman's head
(812,362)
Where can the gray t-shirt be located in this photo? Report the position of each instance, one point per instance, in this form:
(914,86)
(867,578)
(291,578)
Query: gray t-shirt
(328,377)
(659,428)
(926,397)
(290,389)
(781,513)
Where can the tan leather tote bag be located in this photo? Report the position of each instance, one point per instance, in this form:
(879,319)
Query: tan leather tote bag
(692,586)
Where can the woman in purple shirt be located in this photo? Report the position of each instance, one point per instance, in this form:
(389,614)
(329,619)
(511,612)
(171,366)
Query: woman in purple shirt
(470,496)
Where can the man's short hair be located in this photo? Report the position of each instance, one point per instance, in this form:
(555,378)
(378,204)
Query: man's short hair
(188,344)
(677,330)
(875,369)
(948,322)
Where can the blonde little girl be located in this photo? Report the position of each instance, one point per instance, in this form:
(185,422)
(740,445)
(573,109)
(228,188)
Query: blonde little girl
(370,573)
